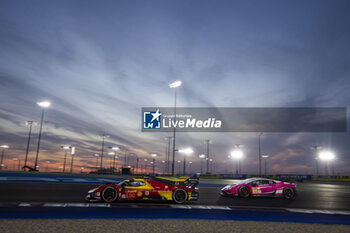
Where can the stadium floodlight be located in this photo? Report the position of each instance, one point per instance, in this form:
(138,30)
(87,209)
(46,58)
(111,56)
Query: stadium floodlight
(186,151)
(175,84)
(237,154)
(326,155)
(44,104)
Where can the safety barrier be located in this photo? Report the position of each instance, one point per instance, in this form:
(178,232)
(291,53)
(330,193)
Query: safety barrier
(331,178)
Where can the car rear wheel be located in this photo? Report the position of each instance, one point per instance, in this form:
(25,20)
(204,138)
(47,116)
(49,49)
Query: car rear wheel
(109,194)
(180,196)
(288,193)
(244,191)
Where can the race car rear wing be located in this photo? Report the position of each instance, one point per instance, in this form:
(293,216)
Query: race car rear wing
(192,182)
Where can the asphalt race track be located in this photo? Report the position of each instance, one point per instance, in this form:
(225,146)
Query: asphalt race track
(311,195)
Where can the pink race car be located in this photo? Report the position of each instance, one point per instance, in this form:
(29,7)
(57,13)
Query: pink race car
(260,187)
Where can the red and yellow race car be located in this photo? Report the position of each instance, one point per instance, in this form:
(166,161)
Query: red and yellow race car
(179,190)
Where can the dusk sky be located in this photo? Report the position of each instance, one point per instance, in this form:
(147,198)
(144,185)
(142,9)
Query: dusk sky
(100,62)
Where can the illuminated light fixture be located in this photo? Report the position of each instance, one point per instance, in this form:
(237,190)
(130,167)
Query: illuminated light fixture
(4,146)
(236,154)
(111,153)
(44,104)
(115,148)
(186,151)
(154,155)
(202,156)
(175,84)
(264,156)
(326,155)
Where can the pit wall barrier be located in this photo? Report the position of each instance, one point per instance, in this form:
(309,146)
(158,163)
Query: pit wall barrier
(331,178)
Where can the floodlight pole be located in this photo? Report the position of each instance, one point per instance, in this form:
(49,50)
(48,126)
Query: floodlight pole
(236,166)
(2,157)
(207,141)
(154,163)
(201,166)
(104,136)
(71,164)
(260,154)
(40,131)
(184,164)
(167,152)
(30,123)
(316,148)
(65,159)
(174,135)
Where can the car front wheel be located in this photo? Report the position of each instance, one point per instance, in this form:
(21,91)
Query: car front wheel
(180,196)
(244,191)
(109,194)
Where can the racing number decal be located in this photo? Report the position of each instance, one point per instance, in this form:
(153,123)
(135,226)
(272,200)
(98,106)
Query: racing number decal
(256,190)
(132,194)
